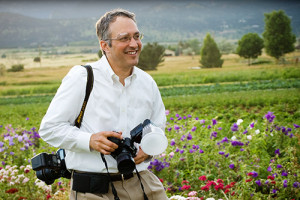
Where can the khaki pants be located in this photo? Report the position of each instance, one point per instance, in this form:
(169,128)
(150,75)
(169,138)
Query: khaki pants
(129,189)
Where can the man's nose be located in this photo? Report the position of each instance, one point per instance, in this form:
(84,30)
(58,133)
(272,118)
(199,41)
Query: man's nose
(133,42)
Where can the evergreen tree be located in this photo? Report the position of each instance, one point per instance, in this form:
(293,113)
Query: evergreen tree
(210,54)
(151,56)
(278,36)
(250,46)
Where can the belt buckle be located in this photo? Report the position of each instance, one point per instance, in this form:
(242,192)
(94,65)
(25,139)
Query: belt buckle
(122,177)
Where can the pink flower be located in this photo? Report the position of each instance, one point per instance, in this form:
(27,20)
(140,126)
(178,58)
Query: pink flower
(192,193)
(202,178)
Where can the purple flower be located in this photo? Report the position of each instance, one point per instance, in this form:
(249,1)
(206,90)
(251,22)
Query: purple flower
(245,132)
(269,169)
(177,115)
(202,121)
(1,144)
(209,126)
(176,127)
(234,127)
(172,143)
(225,139)
(181,151)
(189,116)
(277,151)
(231,166)
(182,137)
(296,126)
(254,174)
(274,191)
(194,129)
(12,153)
(171,118)
(242,149)
(270,117)
(201,151)
(226,156)
(27,118)
(252,125)
(220,128)
(192,150)
(189,137)
(214,134)
(296,184)
(285,183)
(196,147)
(169,129)
(258,182)
(221,152)
(284,173)
(214,122)
(279,166)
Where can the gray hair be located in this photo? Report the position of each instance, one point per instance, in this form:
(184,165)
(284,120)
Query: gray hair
(102,25)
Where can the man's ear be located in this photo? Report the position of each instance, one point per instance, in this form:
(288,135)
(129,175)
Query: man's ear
(104,46)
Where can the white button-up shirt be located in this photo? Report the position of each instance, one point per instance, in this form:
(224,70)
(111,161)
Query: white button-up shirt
(111,107)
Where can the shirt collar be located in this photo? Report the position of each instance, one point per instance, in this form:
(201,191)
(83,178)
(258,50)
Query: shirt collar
(110,74)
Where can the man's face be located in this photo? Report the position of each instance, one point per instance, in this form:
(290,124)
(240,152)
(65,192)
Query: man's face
(125,44)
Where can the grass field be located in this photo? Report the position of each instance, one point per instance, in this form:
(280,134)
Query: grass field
(184,86)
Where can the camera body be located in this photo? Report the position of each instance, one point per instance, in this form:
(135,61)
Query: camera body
(126,150)
(49,167)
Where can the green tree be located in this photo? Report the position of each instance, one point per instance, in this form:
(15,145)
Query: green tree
(100,53)
(250,46)
(278,36)
(210,54)
(151,56)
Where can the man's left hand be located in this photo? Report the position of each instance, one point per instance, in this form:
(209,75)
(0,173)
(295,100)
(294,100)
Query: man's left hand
(140,157)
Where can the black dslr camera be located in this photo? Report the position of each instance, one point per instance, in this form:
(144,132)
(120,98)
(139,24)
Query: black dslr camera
(49,167)
(126,151)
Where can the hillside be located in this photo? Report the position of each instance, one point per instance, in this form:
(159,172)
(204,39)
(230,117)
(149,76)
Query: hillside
(56,23)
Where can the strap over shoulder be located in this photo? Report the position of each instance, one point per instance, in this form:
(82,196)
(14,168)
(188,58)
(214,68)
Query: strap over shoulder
(89,87)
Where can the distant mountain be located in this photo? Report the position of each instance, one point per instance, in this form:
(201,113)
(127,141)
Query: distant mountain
(53,23)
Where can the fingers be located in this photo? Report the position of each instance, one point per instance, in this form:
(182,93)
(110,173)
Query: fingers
(140,157)
(99,142)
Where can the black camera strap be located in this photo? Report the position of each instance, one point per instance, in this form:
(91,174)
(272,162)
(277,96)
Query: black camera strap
(112,185)
(89,87)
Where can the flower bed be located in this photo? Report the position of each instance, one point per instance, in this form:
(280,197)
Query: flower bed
(206,159)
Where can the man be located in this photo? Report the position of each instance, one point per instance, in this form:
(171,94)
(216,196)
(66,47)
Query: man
(123,96)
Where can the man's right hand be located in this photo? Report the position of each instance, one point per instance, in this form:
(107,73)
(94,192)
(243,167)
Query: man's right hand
(99,142)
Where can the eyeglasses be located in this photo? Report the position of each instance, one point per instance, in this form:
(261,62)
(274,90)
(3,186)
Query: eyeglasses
(126,38)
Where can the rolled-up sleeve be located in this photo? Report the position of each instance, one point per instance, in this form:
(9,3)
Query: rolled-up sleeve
(57,127)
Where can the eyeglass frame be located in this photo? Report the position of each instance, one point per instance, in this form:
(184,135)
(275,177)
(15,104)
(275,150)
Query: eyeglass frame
(120,37)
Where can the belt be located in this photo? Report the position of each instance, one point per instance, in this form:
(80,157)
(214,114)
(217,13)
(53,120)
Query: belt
(113,176)
(120,177)
(95,182)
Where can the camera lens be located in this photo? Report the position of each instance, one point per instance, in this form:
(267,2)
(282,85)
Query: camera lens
(125,163)
(47,175)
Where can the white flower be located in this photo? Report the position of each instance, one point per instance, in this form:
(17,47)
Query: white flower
(272,134)
(257,131)
(239,121)
(210,199)
(249,137)
(233,138)
(177,197)
(25,180)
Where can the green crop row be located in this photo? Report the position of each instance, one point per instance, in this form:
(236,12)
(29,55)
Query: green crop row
(222,75)
(233,87)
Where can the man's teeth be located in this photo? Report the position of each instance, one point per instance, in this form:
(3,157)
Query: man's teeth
(131,52)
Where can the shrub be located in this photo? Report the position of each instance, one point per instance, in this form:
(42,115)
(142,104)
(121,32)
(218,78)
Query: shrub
(37,59)
(2,69)
(16,68)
